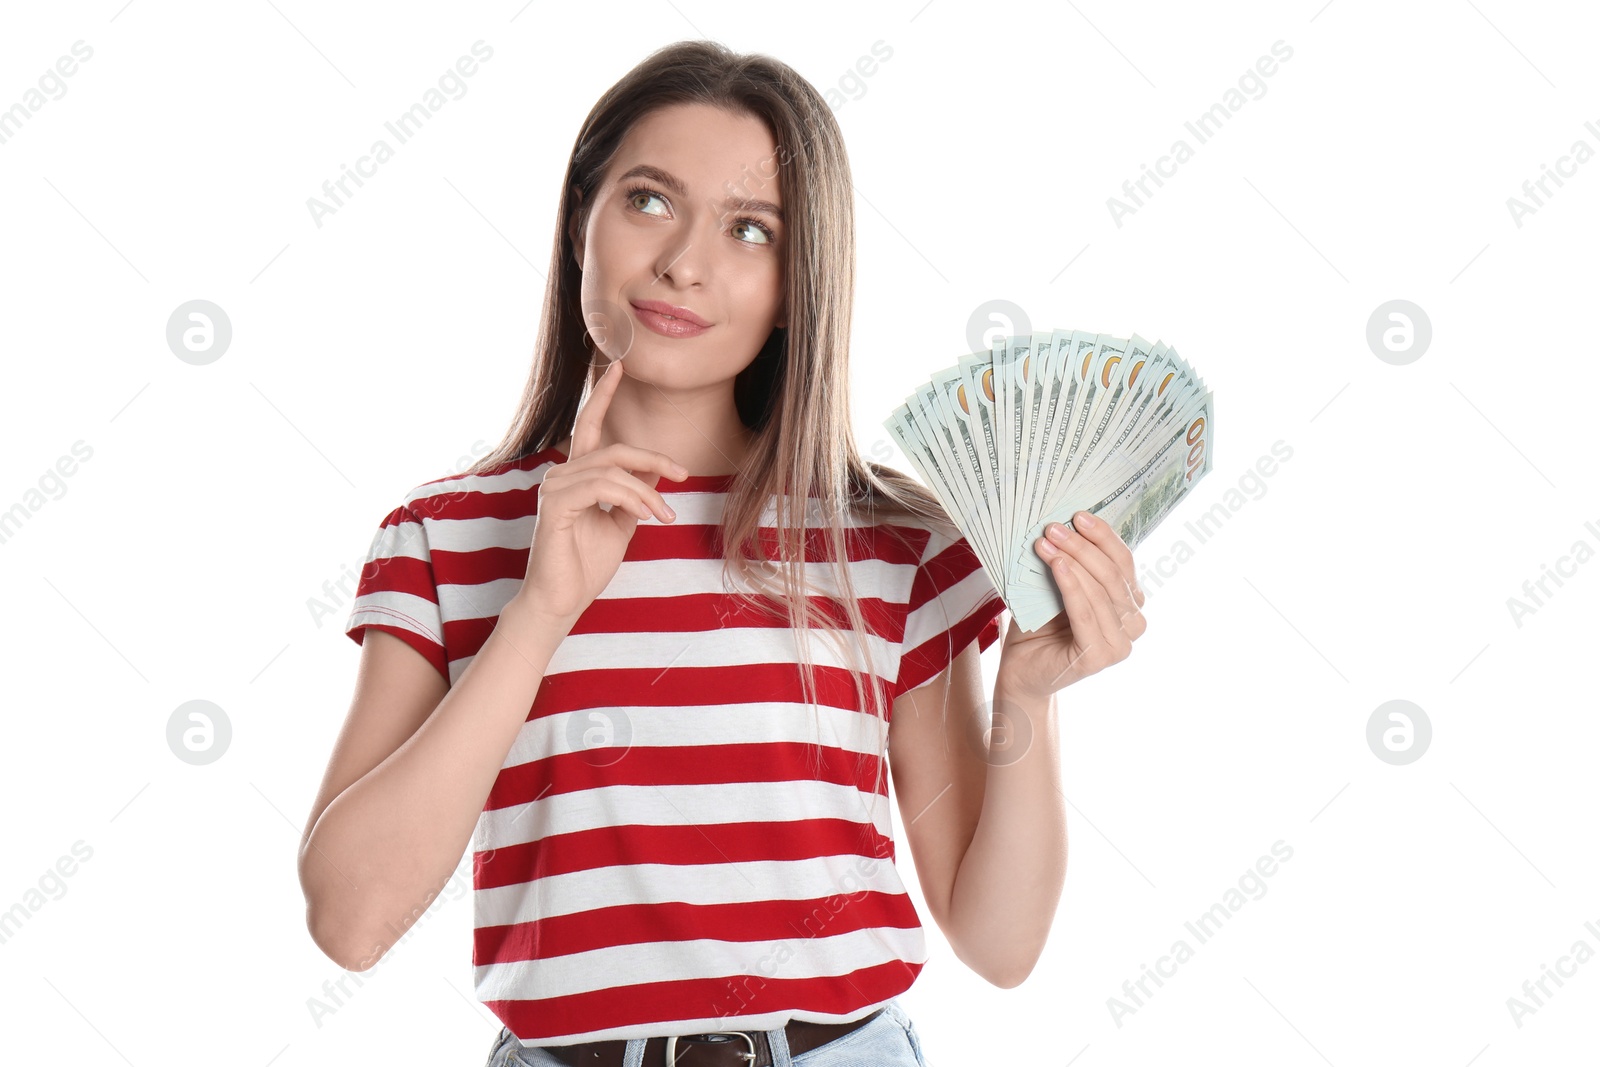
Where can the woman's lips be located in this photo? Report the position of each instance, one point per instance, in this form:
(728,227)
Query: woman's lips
(667,325)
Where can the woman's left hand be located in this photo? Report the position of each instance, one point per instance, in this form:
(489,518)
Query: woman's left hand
(1094,571)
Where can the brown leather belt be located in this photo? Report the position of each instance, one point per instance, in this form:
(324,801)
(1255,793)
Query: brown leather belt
(717,1049)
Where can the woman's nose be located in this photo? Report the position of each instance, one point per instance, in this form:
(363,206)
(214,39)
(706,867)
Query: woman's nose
(684,256)
(680,261)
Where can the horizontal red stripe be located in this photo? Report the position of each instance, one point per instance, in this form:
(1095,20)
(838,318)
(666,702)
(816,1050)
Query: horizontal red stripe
(700,844)
(652,1001)
(634,924)
(668,765)
(691,613)
(680,686)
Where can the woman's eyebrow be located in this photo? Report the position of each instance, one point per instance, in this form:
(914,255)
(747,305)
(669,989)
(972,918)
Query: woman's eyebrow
(735,203)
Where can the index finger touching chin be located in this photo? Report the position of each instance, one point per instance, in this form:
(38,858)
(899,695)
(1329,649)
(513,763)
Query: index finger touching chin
(586,427)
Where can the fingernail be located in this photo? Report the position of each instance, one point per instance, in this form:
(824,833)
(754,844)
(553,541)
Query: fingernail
(1084,520)
(1049,551)
(1056,532)
(670,513)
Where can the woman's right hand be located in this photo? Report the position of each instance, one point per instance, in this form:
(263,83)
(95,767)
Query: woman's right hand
(577,546)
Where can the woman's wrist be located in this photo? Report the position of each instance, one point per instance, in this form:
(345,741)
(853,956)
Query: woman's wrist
(527,615)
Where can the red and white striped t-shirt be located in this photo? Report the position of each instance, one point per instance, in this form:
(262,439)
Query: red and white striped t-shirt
(659,854)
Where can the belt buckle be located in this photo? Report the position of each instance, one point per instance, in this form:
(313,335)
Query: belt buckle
(748,1057)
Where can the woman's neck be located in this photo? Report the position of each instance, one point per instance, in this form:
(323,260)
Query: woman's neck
(705,457)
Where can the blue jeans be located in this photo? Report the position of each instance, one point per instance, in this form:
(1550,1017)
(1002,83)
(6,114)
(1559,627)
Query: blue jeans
(889,1040)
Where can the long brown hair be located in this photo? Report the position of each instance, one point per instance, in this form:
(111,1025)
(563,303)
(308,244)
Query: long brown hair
(795,395)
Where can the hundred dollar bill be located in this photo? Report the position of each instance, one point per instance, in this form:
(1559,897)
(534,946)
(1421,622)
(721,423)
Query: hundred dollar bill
(1043,425)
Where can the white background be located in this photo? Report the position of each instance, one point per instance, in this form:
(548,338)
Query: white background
(371,354)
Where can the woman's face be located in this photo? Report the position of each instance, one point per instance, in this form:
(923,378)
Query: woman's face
(695,246)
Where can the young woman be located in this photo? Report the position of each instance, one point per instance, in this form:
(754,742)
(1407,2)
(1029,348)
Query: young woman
(646,670)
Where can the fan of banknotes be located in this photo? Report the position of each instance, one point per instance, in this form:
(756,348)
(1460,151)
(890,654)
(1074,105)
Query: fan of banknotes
(1044,425)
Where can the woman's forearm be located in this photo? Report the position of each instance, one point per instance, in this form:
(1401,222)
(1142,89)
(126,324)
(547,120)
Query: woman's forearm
(1010,879)
(386,846)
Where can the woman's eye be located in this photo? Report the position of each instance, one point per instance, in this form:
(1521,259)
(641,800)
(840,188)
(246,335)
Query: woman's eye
(634,196)
(755,228)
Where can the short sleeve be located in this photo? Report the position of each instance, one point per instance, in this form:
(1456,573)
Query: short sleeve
(397,591)
(952,603)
